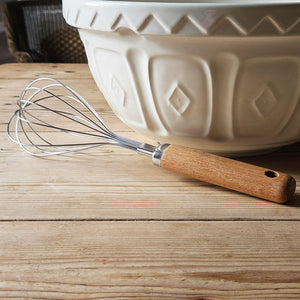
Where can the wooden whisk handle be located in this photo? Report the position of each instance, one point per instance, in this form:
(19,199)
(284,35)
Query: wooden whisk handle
(242,177)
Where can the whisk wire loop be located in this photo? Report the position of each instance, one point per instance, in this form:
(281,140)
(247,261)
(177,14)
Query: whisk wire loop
(37,101)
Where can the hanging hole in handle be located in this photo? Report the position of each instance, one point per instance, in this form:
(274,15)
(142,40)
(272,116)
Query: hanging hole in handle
(271,174)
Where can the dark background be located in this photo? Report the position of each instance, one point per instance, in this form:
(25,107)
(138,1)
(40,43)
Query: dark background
(5,56)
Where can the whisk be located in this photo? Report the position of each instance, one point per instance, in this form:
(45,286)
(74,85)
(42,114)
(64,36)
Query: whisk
(49,108)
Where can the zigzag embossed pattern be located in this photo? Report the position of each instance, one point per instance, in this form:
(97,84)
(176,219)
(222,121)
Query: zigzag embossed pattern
(226,25)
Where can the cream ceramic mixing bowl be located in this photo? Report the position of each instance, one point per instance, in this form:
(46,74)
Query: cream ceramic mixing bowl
(221,76)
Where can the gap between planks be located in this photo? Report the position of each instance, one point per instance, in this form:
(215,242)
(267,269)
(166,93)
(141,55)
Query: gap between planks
(150,220)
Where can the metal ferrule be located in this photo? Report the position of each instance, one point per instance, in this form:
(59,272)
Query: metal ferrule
(158,154)
(155,152)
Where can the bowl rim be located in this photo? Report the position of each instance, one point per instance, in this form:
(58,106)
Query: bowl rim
(242,18)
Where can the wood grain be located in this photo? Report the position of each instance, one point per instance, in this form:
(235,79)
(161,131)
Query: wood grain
(31,71)
(103,184)
(150,260)
(106,223)
(229,173)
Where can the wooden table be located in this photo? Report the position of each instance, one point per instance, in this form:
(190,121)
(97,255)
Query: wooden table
(109,224)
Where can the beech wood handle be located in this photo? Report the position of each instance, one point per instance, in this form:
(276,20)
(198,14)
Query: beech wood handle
(249,179)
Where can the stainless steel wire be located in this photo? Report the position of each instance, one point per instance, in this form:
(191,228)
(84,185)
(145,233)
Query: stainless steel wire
(48,108)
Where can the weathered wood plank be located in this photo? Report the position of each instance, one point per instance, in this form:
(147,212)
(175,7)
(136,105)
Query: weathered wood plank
(115,183)
(31,71)
(150,260)
(167,259)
